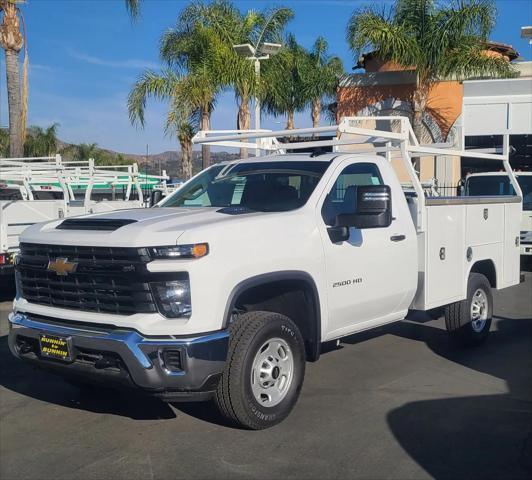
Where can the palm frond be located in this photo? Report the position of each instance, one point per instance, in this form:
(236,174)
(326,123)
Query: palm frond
(272,24)
(369,28)
(133,8)
(150,84)
(320,72)
(414,15)
(467,17)
(282,83)
(472,61)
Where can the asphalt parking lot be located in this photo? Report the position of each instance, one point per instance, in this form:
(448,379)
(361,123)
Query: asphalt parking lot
(397,402)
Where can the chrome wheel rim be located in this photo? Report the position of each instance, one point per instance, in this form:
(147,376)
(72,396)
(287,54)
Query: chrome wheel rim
(479,310)
(272,372)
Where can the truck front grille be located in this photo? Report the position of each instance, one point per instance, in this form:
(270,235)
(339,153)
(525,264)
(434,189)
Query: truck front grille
(103,279)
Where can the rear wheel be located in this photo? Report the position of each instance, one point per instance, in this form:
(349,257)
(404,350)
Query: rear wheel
(264,371)
(469,321)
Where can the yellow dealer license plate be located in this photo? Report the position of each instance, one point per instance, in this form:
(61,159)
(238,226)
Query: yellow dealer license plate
(55,347)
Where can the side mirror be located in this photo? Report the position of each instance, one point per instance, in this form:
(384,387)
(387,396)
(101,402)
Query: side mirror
(155,197)
(373,208)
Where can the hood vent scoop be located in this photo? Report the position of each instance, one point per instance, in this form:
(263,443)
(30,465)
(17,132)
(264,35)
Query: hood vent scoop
(106,224)
(235,210)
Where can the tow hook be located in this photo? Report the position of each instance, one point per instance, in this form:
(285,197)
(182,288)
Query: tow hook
(105,362)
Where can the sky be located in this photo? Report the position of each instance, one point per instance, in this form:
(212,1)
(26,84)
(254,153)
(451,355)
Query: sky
(85,55)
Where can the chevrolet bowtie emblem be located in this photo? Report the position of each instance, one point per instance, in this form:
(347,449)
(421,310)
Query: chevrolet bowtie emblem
(62,266)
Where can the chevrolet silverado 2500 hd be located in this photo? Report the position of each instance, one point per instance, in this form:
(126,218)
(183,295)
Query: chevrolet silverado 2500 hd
(230,284)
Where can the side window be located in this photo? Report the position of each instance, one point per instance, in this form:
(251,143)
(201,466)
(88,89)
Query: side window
(343,194)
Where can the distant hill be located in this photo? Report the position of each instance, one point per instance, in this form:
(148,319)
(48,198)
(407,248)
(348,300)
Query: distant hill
(169,160)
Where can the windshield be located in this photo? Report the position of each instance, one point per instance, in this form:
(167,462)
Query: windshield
(252,186)
(500,185)
(10,193)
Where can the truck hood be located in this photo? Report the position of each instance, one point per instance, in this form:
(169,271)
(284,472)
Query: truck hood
(136,227)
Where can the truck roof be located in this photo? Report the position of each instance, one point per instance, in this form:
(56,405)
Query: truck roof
(295,157)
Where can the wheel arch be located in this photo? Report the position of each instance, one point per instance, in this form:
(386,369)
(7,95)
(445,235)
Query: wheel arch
(487,268)
(278,292)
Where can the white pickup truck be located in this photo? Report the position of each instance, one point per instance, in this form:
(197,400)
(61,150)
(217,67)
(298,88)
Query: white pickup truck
(228,286)
(497,183)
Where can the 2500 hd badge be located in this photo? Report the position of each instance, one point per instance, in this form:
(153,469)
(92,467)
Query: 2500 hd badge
(347,282)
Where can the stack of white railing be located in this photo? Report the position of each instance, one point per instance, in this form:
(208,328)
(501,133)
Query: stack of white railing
(25,172)
(29,175)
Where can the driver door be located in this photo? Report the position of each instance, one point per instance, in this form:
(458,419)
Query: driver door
(369,276)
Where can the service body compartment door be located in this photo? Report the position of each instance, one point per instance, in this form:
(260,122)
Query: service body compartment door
(484,224)
(512,253)
(445,255)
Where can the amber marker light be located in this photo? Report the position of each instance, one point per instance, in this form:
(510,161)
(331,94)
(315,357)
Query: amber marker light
(200,250)
(195,250)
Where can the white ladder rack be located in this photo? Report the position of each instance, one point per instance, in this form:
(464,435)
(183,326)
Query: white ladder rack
(400,138)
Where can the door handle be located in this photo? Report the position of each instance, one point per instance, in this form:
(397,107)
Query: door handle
(397,238)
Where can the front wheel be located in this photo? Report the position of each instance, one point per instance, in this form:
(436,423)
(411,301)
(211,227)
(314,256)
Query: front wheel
(469,321)
(264,371)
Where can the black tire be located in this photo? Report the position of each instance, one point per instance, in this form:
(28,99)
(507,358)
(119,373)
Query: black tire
(234,395)
(458,320)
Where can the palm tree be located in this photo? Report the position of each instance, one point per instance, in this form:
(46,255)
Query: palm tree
(321,76)
(84,151)
(256,29)
(439,40)
(182,121)
(202,46)
(183,114)
(4,142)
(283,86)
(198,53)
(184,132)
(12,41)
(41,142)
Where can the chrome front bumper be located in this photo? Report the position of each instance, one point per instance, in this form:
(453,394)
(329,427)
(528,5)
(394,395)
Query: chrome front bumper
(115,356)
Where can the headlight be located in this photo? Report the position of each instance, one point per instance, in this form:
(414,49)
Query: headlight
(173,298)
(195,250)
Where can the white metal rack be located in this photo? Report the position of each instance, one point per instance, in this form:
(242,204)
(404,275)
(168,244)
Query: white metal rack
(400,138)
(25,172)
